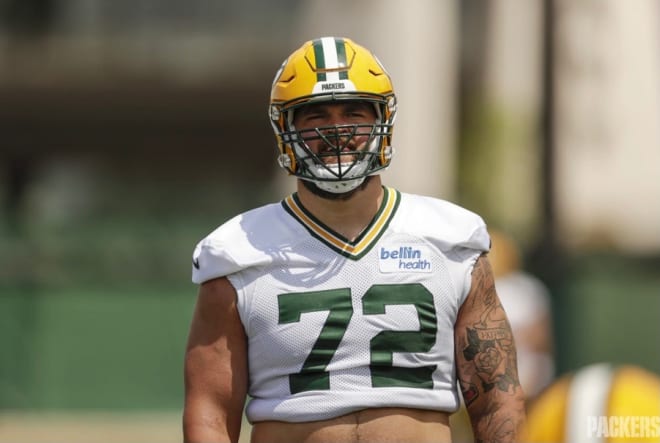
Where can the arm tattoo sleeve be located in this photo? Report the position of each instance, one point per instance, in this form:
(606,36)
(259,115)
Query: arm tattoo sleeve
(486,355)
(490,346)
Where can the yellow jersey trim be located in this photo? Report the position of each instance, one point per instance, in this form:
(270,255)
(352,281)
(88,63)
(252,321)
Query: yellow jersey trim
(364,242)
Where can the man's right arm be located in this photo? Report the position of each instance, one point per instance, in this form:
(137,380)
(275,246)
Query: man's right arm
(215,371)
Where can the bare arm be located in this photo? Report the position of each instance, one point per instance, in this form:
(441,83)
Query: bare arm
(215,371)
(486,362)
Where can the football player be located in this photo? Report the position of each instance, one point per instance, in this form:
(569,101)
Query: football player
(349,311)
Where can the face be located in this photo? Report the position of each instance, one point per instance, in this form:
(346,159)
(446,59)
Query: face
(331,128)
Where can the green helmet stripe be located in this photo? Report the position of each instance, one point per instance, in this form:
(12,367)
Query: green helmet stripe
(341,58)
(320,60)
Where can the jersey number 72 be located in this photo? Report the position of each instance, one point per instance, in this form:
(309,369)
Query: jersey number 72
(313,374)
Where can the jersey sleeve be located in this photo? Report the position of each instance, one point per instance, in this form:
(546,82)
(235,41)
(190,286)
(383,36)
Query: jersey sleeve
(451,228)
(479,240)
(224,251)
(476,244)
(211,259)
(244,241)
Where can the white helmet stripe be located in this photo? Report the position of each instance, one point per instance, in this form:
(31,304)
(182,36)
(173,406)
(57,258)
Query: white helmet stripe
(587,398)
(331,58)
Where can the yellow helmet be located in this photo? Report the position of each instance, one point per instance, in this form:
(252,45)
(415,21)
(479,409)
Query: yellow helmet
(597,403)
(331,69)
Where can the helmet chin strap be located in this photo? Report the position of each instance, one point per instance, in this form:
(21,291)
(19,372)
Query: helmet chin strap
(334,187)
(314,189)
(339,187)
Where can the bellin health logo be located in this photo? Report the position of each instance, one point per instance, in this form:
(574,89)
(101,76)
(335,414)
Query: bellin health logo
(404,259)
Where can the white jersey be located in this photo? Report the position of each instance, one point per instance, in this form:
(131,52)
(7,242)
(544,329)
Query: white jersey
(335,326)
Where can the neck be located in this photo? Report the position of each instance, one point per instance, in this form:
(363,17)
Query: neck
(349,216)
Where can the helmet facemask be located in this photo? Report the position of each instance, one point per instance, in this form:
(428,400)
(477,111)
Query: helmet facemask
(348,153)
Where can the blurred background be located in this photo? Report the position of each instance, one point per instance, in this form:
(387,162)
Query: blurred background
(131,129)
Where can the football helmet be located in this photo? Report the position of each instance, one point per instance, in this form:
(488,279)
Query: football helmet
(600,402)
(331,69)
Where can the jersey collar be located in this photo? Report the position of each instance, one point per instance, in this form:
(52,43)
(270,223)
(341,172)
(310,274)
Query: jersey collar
(351,249)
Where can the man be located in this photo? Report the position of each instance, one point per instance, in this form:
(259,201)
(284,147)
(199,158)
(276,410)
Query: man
(348,311)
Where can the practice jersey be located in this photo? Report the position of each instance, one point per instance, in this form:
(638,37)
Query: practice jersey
(335,326)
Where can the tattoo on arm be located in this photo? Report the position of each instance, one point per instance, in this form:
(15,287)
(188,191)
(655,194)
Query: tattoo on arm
(486,359)
(490,346)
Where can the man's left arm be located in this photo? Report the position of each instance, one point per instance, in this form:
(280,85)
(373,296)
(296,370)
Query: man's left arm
(486,362)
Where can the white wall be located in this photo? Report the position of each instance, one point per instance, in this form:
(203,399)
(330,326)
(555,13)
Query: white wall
(608,123)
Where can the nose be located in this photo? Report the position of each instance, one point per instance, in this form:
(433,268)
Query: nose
(338,133)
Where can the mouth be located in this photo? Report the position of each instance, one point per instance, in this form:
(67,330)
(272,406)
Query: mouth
(333,155)
(333,150)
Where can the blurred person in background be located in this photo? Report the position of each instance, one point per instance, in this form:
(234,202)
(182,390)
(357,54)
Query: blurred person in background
(349,311)
(527,303)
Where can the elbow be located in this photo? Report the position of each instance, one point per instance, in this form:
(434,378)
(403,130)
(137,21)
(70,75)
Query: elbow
(199,427)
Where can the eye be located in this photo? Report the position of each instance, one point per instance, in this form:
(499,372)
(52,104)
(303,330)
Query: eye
(309,119)
(361,112)
(314,116)
(358,114)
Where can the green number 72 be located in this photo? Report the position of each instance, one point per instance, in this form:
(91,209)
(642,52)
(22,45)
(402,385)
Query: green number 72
(313,374)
